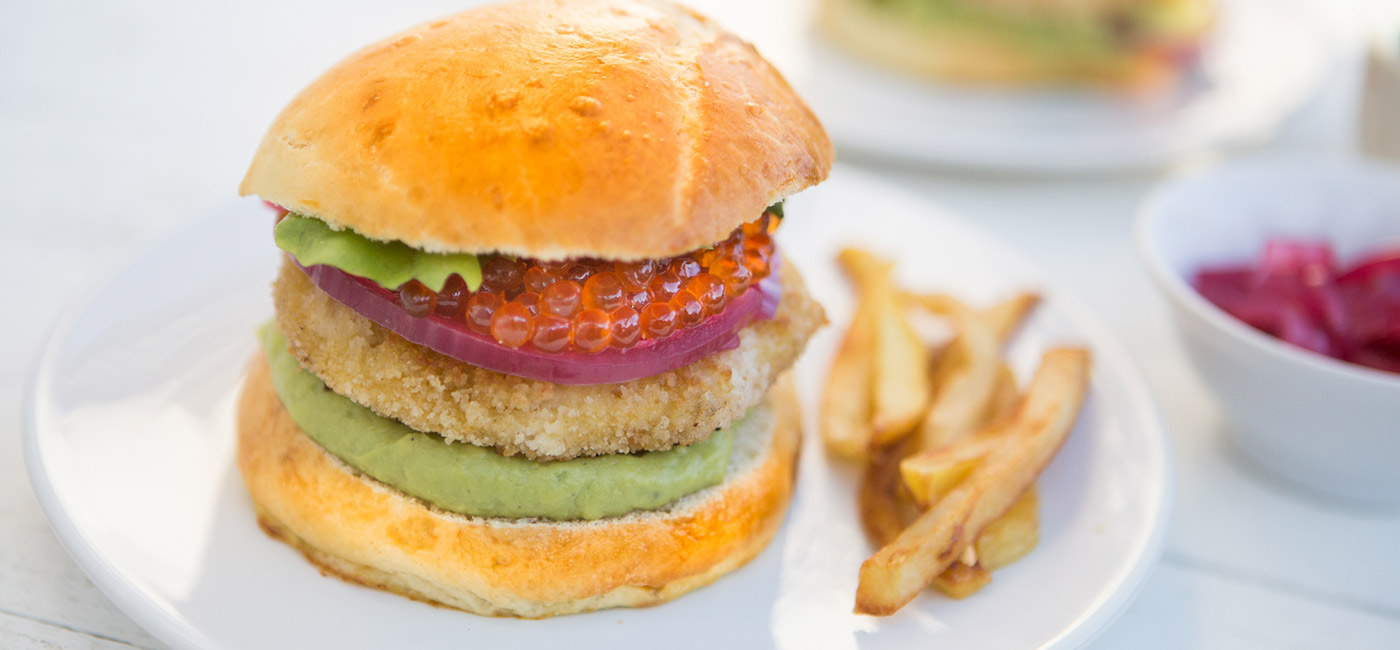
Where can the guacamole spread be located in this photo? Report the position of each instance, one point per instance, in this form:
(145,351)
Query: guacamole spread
(480,481)
(388,264)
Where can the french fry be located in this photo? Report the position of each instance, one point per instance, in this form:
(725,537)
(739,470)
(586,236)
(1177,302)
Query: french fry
(900,383)
(966,410)
(940,536)
(1004,318)
(885,506)
(957,408)
(1004,397)
(901,372)
(928,475)
(863,267)
(961,580)
(970,368)
(886,509)
(845,408)
(1012,535)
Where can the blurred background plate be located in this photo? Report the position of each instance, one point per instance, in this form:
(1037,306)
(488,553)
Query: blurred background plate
(1264,59)
(129,442)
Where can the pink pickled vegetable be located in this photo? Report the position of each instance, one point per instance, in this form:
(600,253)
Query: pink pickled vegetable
(1299,294)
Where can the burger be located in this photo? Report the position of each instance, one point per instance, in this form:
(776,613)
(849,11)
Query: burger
(532,330)
(1130,44)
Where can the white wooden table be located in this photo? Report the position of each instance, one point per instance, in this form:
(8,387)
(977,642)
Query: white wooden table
(119,118)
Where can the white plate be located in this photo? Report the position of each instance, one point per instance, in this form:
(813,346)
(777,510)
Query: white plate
(129,441)
(1263,60)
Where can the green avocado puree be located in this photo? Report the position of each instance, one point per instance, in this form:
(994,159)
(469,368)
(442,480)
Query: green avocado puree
(480,481)
(388,264)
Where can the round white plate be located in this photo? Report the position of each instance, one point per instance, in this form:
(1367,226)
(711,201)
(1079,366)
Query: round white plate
(129,442)
(1263,60)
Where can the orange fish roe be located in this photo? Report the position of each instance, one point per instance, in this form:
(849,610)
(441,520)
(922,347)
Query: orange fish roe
(552,333)
(416,299)
(587,305)
(658,320)
(452,300)
(592,331)
(481,309)
(626,327)
(689,311)
(603,292)
(512,325)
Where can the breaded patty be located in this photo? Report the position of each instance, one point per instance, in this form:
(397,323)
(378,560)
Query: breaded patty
(432,392)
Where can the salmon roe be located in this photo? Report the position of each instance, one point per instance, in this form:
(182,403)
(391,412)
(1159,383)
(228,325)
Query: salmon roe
(588,305)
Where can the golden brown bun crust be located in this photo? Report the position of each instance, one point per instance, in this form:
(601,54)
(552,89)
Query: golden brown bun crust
(620,129)
(367,533)
(432,392)
(968,56)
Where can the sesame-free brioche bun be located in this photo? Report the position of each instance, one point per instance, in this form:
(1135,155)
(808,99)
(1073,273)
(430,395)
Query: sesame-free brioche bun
(365,532)
(619,129)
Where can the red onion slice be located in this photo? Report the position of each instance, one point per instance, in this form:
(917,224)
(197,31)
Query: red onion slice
(650,357)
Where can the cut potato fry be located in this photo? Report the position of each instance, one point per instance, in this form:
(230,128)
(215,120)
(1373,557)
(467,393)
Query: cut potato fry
(1004,318)
(961,400)
(886,510)
(928,475)
(957,500)
(1012,535)
(1002,542)
(1004,397)
(900,382)
(961,580)
(1007,317)
(969,370)
(845,408)
(885,506)
(901,374)
(864,268)
(940,536)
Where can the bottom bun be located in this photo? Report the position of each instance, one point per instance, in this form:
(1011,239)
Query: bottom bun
(365,532)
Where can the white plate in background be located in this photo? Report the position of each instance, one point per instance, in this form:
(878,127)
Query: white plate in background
(129,441)
(1264,60)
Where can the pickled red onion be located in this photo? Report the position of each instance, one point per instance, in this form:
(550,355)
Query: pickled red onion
(716,333)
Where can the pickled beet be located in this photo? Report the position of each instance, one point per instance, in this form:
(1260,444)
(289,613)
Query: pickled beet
(1299,294)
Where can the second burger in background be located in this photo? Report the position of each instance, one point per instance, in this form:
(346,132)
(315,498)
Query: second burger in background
(532,326)
(1127,44)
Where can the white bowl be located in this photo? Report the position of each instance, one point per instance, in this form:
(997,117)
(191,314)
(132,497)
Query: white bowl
(1323,423)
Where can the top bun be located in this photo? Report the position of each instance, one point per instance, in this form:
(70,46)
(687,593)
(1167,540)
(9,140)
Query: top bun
(620,129)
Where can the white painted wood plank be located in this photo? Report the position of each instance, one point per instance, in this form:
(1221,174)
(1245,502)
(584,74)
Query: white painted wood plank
(1182,607)
(1233,516)
(18,633)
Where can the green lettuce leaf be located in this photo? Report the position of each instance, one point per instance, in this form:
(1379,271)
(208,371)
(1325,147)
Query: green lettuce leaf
(388,264)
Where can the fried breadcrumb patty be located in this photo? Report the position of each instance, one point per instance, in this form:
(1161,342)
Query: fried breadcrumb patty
(429,391)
